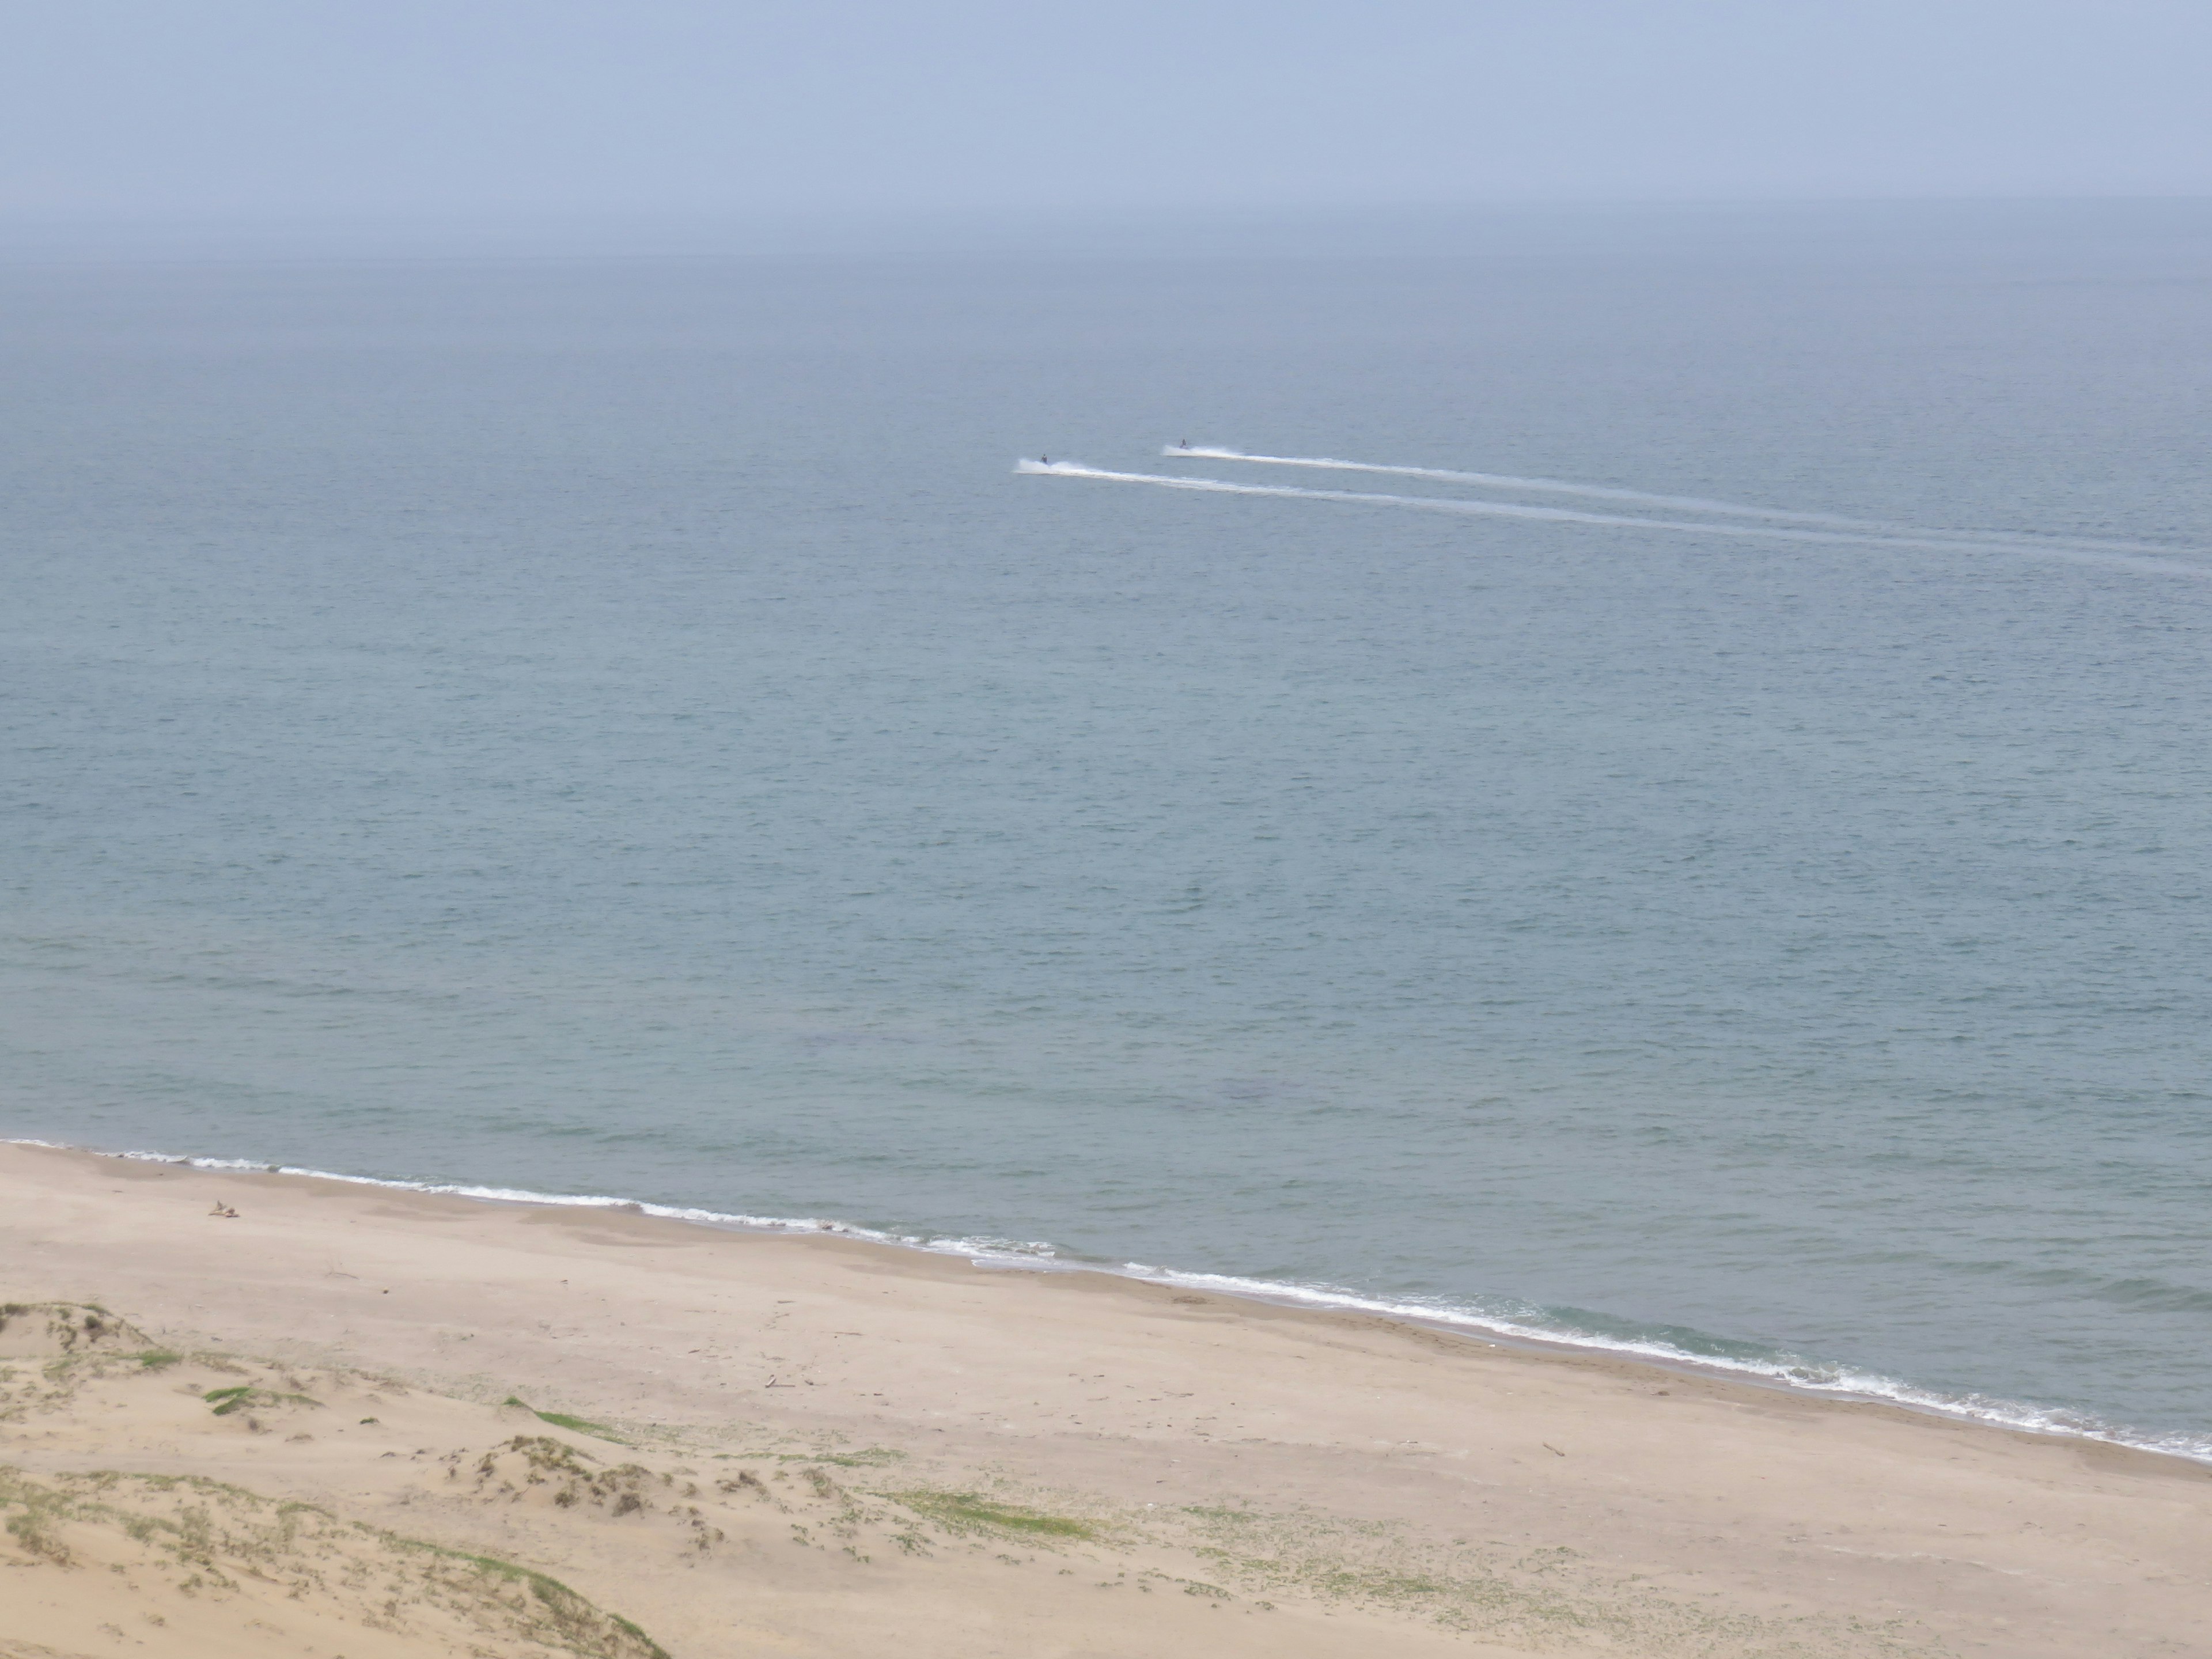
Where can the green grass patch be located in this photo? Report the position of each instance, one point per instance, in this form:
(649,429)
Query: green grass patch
(562,1420)
(871,1458)
(868,1457)
(968,1511)
(158,1359)
(244,1396)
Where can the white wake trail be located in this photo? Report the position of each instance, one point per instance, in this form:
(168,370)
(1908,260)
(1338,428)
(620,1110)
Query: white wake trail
(1682,503)
(1570,515)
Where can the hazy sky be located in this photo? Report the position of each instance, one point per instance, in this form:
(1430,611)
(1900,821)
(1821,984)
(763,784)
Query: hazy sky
(283,107)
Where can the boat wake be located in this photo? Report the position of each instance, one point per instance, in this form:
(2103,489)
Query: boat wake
(1903,540)
(1678,503)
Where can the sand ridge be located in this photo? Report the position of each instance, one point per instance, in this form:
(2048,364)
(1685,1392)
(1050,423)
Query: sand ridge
(833,1447)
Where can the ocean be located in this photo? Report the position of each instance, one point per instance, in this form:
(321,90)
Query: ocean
(621,727)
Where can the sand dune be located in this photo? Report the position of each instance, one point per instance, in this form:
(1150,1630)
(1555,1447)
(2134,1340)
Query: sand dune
(354,1422)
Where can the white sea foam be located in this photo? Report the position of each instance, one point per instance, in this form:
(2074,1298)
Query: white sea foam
(1917,542)
(1782,1370)
(1008,1249)
(1682,503)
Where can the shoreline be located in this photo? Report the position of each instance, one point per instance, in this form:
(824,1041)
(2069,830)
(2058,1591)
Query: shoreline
(846,1448)
(1864,1388)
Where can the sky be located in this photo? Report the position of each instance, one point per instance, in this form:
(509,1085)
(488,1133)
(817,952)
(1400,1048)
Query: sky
(277,109)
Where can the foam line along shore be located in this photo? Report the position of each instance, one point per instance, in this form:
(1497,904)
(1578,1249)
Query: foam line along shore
(1526,1326)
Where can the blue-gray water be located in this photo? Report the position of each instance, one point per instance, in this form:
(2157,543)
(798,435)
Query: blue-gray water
(607,725)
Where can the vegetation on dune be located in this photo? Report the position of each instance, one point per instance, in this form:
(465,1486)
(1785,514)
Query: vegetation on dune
(206,1539)
(868,1457)
(65,1328)
(227,1401)
(968,1511)
(585,1628)
(1540,1596)
(218,1540)
(562,1420)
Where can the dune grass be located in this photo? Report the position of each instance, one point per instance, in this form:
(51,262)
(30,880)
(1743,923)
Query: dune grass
(246,1397)
(563,1420)
(968,1511)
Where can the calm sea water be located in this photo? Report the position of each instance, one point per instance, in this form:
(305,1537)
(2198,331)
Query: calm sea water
(620,727)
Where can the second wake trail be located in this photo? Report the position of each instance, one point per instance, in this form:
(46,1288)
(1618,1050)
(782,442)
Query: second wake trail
(1924,542)
(1645,498)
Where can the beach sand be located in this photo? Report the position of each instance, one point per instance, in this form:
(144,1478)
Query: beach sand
(302,1429)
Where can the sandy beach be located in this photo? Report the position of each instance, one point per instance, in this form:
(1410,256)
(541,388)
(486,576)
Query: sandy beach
(367,1422)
